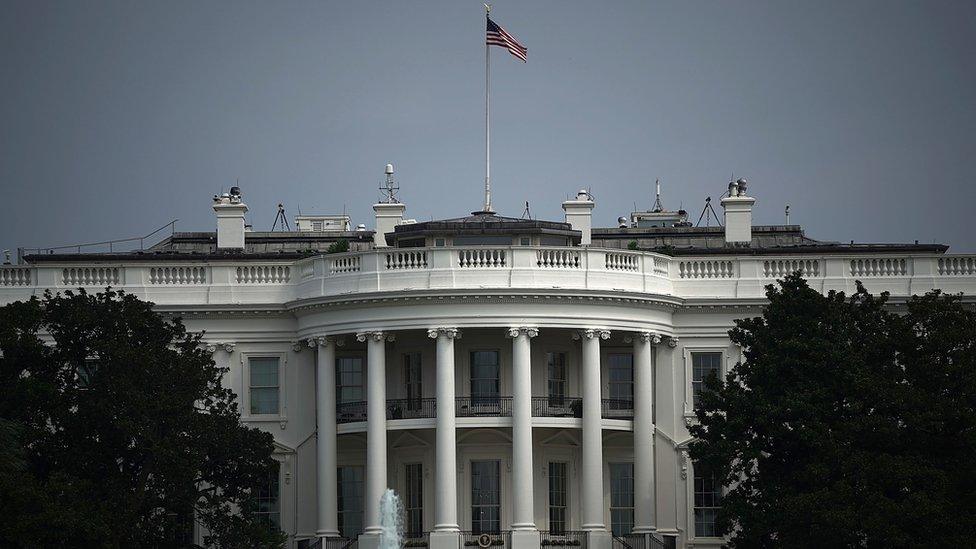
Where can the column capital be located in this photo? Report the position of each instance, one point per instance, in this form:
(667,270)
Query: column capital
(592,333)
(672,341)
(213,346)
(377,335)
(653,338)
(527,330)
(325,341)
(450,333)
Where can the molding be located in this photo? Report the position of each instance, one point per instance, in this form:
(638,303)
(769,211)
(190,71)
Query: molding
(672,341)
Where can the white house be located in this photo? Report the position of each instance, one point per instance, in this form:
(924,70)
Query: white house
(529,380)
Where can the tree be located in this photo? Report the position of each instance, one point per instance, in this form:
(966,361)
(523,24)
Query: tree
(847,424)
(118,430)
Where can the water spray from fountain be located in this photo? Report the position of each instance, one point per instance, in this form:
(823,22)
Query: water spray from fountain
(391,521)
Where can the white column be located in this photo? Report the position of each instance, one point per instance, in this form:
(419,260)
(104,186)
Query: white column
(644,515)
(592,500)
(523,516)
(375,428)
(445,534)
(326,441)
(667,458)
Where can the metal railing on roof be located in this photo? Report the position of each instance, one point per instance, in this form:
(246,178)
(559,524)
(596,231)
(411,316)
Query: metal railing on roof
(112,244)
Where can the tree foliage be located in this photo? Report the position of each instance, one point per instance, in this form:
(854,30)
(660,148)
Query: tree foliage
(847,424)
(114,424)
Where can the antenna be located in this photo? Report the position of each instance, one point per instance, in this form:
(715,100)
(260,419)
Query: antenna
(284,219)
(527,214)
(389,189)
(658,207)
(787,214)
(707,212)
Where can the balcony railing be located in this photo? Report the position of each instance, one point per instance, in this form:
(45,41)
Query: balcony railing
(411,408)
(494,539)
(565,538)
(349,412)
(416,540)
(478,406)
(617,408)
(557,406)
(639,541)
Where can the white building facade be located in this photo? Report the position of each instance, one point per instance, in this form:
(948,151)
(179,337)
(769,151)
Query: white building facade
(518,383)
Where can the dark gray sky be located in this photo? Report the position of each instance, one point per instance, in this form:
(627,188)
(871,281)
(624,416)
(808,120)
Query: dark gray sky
(116,117)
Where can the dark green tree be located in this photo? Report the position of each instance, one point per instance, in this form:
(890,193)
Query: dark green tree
(851,422)
(116,430)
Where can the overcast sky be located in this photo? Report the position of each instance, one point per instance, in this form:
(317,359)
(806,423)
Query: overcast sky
(117,117)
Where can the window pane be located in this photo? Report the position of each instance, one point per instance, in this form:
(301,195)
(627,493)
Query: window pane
(621,498)
(557,497)
(414,500)
(485,372)
(708,501)
(485,497)
(349,379)
(267,498)
(264,372)
(264,400)
(702,366)
(350,500)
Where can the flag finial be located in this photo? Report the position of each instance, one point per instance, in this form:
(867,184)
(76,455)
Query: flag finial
(487,8)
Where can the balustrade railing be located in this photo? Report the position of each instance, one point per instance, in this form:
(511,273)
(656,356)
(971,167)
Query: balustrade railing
(482,258)
(406,259)
(957,266)
(184,275)
(344,264)
(411,408)
(263,274)
(706,268)
(879,267)
(563,538)
(483,406)
(617,408)
(556,406)
(620,261)
(15,276)
(778,268)
(91,276)
(557,258)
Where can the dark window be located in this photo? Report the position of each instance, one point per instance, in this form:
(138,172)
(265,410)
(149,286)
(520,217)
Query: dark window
(708,500)
(414,500)
(557,378)
(349,379)
(482,241)
(485,497)
(350,480)
(621,498)
(485,382)
(552,241)
(413,378)
(268,499)
(264,385)
(557,497)
(703,365)
(621,377)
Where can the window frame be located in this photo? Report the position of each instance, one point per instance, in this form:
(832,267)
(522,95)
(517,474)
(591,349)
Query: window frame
(692,530)
(501,504)
(686,352)
(362,374)
(565,507)
(407,492)
(340,512)
(276,476)
(413,402)
(633,496)
(282,415)
(485,399)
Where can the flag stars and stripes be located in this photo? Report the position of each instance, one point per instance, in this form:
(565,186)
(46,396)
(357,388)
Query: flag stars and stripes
(497,36)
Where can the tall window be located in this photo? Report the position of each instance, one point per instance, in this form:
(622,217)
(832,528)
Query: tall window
(349,379)
(485,385)
(702,366)
(263,384)
(350,480)
(708,500)
(268,501)
(621,498)
(413,378)
(414,500)
(557,497)
(621,376)
(485,497)
(557,378)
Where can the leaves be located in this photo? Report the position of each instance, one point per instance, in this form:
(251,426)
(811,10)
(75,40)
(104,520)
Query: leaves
(117,425)
(847,425)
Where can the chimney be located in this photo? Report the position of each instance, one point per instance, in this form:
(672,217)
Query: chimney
(738,214)
(389,213)
(579,214)
(230,212)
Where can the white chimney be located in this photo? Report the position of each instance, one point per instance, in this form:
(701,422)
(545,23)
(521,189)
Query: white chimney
(230,210)
(579,215)
(738,214)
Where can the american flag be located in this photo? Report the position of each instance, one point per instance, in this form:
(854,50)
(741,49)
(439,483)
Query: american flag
(498,37)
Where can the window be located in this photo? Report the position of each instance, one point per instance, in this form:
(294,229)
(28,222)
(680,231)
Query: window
(414,500)
(317,226)
(702,365)
(412,378)
(263,384)
(557,378)
(349,379)
(439,242)
(557,497)
(485,385)
(525,241)
(621,498)
(482,240)
(350,480)
(268,499)
(485,497)
(621,376)
(708,500)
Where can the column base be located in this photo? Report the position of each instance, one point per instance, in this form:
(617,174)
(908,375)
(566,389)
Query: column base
(369,541)
(598,539)
(445,540)
(525,539)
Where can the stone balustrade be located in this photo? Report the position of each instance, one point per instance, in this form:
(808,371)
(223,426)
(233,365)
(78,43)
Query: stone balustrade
(531,268)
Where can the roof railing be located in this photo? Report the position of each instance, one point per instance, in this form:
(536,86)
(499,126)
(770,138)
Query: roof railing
(23,252)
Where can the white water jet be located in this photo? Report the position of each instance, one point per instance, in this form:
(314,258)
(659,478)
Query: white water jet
(391,521)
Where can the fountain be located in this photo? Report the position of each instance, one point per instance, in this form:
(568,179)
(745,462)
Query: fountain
(391,521)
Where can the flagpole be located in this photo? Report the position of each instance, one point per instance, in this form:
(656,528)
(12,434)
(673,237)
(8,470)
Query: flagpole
(487,121)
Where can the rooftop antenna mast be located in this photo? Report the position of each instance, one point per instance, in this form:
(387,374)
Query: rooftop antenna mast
(281,216)
(390,188)
(527,214)
(658,207)
(787,214)
(707,212)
